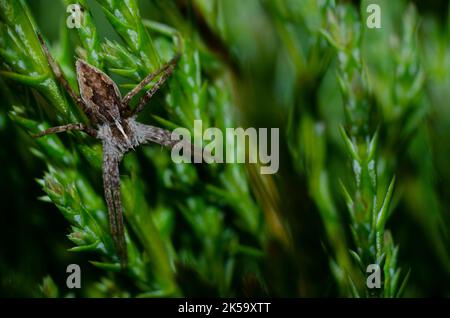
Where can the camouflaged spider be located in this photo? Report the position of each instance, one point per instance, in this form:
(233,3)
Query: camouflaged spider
(113,122)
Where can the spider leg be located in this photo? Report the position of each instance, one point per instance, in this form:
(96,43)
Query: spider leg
(166,69)
(60,76)
(168,139)
(68,127)
(111,184)
(157,135)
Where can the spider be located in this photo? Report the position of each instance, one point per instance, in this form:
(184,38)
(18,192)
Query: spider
(113,122)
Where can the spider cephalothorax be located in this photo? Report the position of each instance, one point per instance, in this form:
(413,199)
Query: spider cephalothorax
(114,123)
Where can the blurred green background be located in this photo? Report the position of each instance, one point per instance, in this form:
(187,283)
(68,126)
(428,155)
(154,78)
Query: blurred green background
(364,124)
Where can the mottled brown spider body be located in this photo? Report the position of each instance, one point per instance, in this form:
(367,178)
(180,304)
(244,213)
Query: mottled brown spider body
(99,93)
(113,122)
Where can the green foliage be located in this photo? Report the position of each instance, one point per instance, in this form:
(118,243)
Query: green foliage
(363,117)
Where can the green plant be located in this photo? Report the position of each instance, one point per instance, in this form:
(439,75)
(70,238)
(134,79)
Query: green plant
(363,115)
(153,258)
